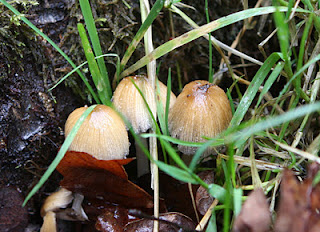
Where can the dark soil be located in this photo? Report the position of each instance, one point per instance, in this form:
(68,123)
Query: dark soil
(32,119)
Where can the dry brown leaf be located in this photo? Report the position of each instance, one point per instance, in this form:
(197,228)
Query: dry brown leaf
(112,220)
(299,203)
(13,217)
(255,215)
(203,199)
(73,159)
(103,186)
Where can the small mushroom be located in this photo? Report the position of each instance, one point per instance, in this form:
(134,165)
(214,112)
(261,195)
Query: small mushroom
(128,100)
(201,110)
(103,133)
(55,201)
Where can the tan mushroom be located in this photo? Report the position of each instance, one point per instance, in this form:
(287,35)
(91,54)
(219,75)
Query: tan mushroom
(103,133)
(201,110)
(57,200)
(128,101)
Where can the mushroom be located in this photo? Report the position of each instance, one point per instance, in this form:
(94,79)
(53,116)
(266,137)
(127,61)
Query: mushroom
(102,135)
(201,110)
(55,201)
(129,102)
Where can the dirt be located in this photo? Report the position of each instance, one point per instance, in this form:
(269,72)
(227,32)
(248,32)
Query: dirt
(32,118)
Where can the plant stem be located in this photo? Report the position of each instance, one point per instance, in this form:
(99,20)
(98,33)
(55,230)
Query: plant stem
(151,69)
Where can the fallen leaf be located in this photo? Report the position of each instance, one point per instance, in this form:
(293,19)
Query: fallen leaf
(13,217)
(73,159)
(103,186)
(113,219)
(255,215)
(203,199)
(299,203)
(170,222)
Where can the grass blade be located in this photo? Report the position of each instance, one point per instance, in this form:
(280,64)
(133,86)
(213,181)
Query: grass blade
(93,67)
(168,101)
(272,78)
(93,34)
(176,173)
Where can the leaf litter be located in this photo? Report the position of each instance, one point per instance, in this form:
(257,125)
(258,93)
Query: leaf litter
(298,206)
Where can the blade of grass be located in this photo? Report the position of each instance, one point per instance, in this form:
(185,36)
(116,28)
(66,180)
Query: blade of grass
(217,192)
(231,101)
(283,37)
(272,78)
(93,34)
(218,141)
(60,155)
(160,111)
(210,78)
(33,27)
(237,200)
(299,72)
(93,67)
(168,101)
(212,226)
(290,5)
(302,46)
(176,173)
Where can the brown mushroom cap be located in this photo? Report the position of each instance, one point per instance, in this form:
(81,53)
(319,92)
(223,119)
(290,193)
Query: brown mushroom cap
(127,99)
(103,133)
(201,110)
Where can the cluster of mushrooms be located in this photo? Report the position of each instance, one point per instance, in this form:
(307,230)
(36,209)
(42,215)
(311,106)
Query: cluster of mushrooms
(201,110)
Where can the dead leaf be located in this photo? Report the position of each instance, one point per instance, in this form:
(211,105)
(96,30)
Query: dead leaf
(255,215)
(13,217)
(73,159)
(170,222)
(203,199)
(299,203)
(113,219)
(103,186)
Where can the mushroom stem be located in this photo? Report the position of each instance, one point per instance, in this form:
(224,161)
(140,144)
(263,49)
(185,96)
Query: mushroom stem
(77,207)
(49,222)
(142,160)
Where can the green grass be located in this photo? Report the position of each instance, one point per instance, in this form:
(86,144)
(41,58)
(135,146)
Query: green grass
(278,124)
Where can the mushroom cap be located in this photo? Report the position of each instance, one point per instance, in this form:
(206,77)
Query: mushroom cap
(128,101)
(57,200)
(103,133)
(201,110)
